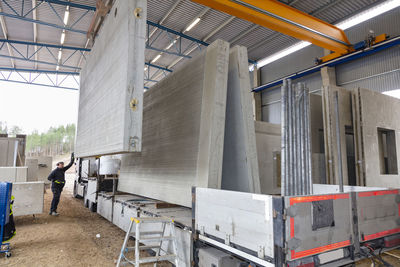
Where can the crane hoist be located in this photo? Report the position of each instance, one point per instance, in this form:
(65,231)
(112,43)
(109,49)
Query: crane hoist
(290,21)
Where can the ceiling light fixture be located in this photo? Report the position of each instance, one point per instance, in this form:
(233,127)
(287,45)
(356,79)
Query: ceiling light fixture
(194,23)
(170,45)
(59,54)
(156,58)
(66,16)
(346,24)
(62,38)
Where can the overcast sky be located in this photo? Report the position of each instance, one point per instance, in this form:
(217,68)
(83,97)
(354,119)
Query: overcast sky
(37,107)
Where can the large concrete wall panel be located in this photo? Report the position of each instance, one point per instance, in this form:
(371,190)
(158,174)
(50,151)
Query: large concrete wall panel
(111,91)
(183,131)
(240,165)
(378,111)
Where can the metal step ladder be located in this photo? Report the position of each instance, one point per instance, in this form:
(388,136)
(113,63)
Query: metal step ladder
(149,237)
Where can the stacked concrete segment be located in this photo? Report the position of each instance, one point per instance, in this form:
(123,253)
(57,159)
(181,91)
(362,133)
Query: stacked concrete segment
(240,166)
(183,131)
(111,89)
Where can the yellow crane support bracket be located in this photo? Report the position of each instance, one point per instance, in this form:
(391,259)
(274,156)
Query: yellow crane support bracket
(285,19)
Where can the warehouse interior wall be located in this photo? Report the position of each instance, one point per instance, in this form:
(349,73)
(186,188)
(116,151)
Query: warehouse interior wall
(379,72)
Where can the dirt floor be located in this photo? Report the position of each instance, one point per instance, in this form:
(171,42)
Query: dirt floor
(70,239)
(66,240)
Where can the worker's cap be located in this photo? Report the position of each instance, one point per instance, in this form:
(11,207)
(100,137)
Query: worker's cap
(60,162)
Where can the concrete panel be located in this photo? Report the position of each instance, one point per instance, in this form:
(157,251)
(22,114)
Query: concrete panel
(378,111)
(268,137)
(183,131)
(240,165)
(45,164)
(29,198)
(8,152)
(13,174)
(33,169)
(111,88)
(330,130)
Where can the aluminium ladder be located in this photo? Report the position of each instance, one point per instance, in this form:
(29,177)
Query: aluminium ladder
(148,237)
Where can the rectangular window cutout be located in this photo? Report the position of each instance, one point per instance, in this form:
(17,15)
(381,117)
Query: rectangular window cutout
(387,151)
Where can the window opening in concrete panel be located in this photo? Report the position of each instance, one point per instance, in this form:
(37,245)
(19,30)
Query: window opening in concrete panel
(387,151)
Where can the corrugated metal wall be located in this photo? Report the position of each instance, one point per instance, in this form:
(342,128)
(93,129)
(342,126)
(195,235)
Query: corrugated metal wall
(380,72)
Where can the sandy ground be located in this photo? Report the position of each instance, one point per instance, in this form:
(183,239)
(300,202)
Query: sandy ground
(67,240)
(70,239)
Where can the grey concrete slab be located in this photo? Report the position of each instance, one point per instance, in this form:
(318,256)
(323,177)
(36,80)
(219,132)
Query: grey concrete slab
(33,169)
(29,198)
(13,174)
(377,110)
(240,165)
(111,88)
(330,136)
(44,167)
(268,139)
(8,149)
(183,131)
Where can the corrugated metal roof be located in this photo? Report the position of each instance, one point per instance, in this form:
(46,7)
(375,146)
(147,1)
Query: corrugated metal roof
(261,41)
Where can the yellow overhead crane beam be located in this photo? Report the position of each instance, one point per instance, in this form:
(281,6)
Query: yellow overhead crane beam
(287,20)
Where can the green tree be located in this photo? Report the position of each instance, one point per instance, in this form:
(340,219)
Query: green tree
(15,130)
(56,141)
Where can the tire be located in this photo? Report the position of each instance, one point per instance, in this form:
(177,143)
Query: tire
(92,206)
(8,254)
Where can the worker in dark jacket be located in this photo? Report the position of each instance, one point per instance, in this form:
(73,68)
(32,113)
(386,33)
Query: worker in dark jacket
(57,178)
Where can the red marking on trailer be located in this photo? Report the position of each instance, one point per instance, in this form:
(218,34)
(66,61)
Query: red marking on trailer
(378,193)
(380,234)
(306,199)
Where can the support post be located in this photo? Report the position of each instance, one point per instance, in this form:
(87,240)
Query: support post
(257,97)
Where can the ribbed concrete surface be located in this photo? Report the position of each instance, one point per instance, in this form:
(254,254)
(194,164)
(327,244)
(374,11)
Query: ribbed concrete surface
(183,131)
(110,80)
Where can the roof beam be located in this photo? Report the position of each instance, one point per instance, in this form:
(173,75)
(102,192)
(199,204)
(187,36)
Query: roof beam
(205,39)
(14,16)
(39,71)
(172,8)
(66,3)
(161,27)
(40,62)
(44,45)
(157,67)
(5,33)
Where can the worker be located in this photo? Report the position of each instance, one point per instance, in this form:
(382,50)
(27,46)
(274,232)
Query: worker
(57,178)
